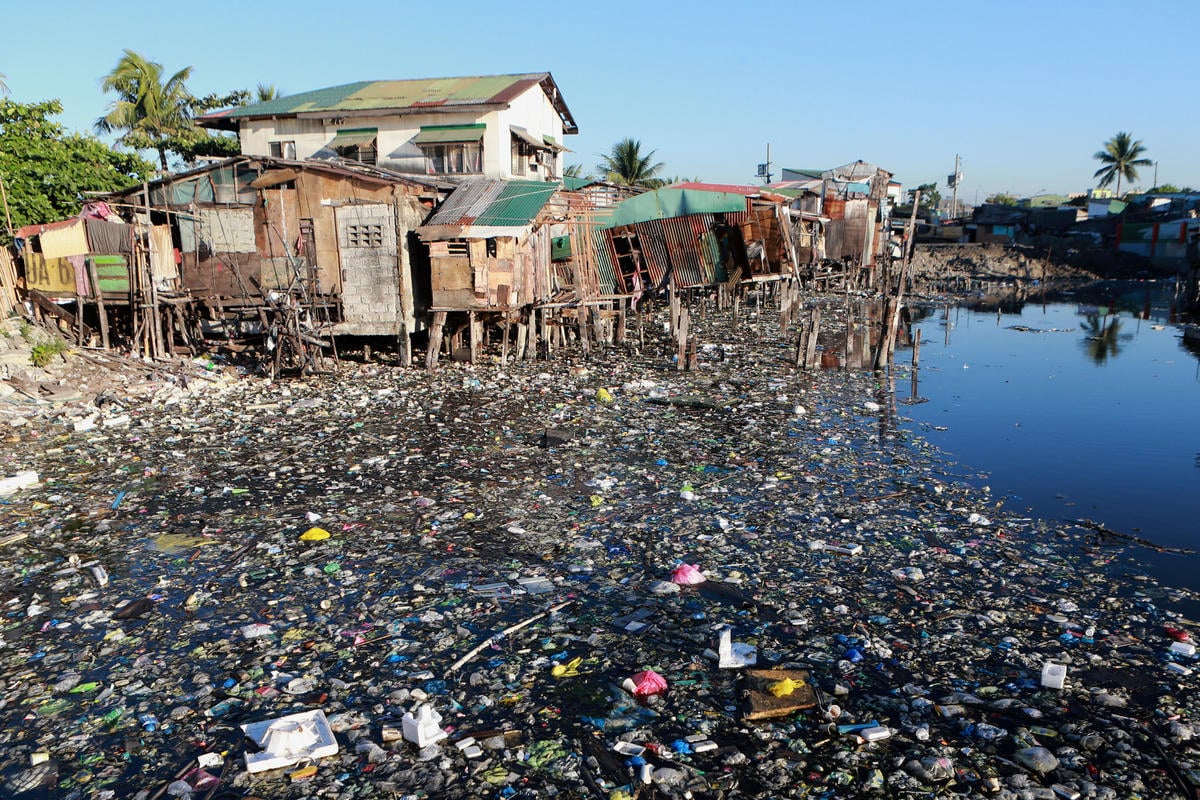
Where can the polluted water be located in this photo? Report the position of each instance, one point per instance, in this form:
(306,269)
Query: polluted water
(601,578)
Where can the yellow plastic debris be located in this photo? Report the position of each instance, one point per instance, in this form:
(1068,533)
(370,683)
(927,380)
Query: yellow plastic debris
(597,501)
(784,687)
(314,535)
(568,670)
(604,395)
(303,774)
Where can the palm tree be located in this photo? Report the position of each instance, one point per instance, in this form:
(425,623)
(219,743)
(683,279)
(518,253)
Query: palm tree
(148,109)
(3,85)
(626,165)
(1121,157)
(267,91)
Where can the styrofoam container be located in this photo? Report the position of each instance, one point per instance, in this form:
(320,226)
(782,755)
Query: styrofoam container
(289,740)
(1183,648)
(1054,675)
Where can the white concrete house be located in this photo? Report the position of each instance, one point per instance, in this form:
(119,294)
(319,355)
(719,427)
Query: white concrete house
(493,126)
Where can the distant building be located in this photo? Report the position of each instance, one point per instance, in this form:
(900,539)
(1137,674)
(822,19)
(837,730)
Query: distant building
(492,126)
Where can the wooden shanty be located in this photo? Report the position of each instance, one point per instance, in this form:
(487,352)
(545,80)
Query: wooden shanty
(287,254)
(699,235)
(127,272)
(489,250)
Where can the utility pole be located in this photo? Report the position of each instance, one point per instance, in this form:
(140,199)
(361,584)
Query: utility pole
(764,170)
(1155,174)
(954,180)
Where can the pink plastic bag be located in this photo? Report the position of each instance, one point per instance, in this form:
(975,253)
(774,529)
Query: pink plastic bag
(648,683)
(686,575)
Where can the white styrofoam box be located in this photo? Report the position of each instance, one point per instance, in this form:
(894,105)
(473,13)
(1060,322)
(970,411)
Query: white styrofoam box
(289,740)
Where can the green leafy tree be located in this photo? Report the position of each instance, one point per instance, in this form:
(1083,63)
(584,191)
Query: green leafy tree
(265,92)
(930,196)
(46,170)
(1167,188)
(1121,157)
(194,142)
(149,110)
(1001,199)
(627,165)
(575,171)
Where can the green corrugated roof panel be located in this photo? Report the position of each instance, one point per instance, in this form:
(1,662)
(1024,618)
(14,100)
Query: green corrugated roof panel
(667,203)
(316,100)
(575,184)
(378,95)
(519,202)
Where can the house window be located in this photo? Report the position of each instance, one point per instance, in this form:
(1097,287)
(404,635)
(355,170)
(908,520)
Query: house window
(364,235)
(546,159)
(523,156)
(355,144)
(453,158)
(363,153)
(283,150)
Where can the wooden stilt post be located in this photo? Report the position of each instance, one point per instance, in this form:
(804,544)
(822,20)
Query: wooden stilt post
(476,334)
(434,348)
(522,338)
(100,307)
(681,335)
(504,328)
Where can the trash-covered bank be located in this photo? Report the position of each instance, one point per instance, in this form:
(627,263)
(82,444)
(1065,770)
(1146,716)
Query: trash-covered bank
(608,580)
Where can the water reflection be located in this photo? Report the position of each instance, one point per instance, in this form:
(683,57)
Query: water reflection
(1104,339)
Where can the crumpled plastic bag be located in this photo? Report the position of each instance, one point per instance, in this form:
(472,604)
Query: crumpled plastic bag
(1038,759)
(648,683)
(687,575)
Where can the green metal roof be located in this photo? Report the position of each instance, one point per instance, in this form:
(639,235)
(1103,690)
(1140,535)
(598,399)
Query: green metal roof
(519,202)
(391,95)
(433,134)
(493,203)
(666,203)
(575,184)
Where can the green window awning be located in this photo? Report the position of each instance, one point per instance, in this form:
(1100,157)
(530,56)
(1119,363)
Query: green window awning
(553,144)
(449,134)
(353,137)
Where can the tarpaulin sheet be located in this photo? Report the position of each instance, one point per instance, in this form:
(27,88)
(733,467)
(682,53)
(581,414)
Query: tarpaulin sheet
(62,242)
(109,237)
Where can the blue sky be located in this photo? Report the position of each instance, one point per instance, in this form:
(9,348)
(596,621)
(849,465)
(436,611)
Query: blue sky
(1025,90)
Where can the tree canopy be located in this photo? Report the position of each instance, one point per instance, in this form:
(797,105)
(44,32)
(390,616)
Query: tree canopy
(148,110)
(156,114)
(627,165)
(930,196)
(1001,199)
(46,170)
(1121,157)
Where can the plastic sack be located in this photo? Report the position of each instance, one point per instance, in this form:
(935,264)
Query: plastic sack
(648,683)
(687,575)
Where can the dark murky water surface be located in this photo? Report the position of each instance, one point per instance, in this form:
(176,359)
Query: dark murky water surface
(1072,411)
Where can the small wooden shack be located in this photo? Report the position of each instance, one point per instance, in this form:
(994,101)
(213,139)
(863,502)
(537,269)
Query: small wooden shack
(489,254)
(320,245)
